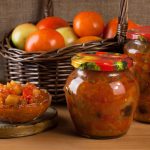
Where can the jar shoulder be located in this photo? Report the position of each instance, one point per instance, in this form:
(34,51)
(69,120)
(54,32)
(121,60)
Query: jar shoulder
(88,81)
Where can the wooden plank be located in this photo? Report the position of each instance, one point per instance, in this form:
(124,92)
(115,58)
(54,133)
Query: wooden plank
(46,121)
(64,137)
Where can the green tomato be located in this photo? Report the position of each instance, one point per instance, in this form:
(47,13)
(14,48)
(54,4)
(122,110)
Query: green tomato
(68,34)
(20,34)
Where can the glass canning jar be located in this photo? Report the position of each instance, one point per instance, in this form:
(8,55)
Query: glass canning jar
(101,94)
(138,48)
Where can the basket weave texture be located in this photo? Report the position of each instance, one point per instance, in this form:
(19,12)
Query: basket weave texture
(50,70)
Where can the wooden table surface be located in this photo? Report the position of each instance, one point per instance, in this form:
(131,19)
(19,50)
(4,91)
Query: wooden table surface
(64,137)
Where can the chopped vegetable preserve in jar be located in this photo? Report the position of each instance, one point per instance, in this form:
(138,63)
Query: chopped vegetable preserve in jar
(138,48)
(101,94)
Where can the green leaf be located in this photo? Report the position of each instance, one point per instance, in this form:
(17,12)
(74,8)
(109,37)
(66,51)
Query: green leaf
(89,66)
(142,38)
(120,65)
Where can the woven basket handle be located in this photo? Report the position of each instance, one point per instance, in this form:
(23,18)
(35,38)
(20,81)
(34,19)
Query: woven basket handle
(122,21)
(48,8)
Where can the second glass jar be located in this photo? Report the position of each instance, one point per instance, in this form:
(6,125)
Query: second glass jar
(138,48)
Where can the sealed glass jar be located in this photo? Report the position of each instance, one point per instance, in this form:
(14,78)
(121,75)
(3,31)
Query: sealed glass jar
(138,48)
(101,94)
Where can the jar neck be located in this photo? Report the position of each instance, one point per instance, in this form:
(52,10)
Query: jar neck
(81,71)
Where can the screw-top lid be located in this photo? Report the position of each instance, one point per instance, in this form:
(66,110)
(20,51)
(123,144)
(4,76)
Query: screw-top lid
(136,33)
(102,61)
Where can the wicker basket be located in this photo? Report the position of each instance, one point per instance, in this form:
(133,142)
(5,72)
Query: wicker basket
(50,70)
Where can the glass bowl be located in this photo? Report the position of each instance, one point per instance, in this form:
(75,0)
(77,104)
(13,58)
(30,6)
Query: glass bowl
(23,113)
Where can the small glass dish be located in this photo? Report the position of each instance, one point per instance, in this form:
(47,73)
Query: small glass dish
(23,113)
(22,103)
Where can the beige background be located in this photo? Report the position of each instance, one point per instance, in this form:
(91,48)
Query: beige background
(13,12)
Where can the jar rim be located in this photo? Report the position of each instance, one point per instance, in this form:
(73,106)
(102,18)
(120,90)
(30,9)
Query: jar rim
(141,31)
(102,61)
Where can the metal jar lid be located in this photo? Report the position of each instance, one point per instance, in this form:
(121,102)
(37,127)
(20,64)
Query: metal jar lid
(102,61)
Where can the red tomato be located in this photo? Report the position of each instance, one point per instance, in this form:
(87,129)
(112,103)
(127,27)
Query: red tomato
(28,92)
(44,40)
(111,28)
(86,39)
(88,24)
(52,23)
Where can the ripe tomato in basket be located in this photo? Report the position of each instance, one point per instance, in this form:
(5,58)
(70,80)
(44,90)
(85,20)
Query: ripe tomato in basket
(52,23)
(88,23)
(86,39)
(111,28)
(44,40)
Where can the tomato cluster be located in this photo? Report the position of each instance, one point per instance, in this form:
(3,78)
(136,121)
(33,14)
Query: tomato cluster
(52,33)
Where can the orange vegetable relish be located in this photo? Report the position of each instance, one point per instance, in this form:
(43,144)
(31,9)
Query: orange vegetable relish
(138,48)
